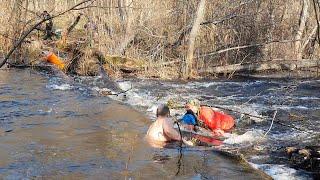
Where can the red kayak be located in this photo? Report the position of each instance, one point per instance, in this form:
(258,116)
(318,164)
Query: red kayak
(203,136)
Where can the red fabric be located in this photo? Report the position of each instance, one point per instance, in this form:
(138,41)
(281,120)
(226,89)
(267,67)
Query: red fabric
(215,120)
(208,140)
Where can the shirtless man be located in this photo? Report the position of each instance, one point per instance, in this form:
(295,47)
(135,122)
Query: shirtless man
(162,130)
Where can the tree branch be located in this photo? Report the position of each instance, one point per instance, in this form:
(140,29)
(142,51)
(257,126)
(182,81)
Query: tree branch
(221,20)
(248,46)
(19,42)
(187,29)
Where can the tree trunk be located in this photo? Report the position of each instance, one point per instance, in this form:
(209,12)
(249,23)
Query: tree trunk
(272,65)
(193,34)
(129,32)
(302,25)
(17,18)
(121,12)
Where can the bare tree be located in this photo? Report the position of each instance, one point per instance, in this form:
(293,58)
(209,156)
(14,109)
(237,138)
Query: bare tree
(193,34)
(302,26)
(129,32)
(164,36)
(17,26)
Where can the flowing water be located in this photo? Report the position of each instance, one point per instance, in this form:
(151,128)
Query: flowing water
(54,128)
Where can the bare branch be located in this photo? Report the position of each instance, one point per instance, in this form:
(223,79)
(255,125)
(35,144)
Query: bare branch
(274,116)
(249,46)
(19,42)
(222,20)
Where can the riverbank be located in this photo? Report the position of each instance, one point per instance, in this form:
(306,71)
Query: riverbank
(166,39)
(77,56)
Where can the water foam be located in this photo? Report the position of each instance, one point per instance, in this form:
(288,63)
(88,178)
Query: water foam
(125,85)
(147,100)
(248,137)
(61,87)
(280,172)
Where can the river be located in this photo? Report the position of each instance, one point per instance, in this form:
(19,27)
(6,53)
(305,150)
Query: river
(54,128)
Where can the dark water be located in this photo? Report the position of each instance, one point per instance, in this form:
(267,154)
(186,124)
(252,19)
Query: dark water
(68,131)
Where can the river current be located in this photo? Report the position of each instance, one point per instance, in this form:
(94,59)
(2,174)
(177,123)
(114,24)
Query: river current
(53,128)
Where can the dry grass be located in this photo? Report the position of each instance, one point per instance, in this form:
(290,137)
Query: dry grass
(151,31)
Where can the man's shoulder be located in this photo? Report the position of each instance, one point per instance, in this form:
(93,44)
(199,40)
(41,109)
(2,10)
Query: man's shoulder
(167,120)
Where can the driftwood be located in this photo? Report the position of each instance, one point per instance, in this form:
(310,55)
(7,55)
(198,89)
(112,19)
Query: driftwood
(265,66)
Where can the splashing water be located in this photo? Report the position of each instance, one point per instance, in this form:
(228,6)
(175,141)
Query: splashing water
(259,98)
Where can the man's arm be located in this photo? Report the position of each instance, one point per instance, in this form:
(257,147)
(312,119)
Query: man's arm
(170,131)
(173,133)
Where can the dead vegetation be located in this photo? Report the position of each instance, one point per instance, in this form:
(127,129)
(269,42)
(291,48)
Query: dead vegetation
(166,39)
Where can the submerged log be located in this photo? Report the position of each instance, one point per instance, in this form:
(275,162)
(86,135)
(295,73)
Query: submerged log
(264,66)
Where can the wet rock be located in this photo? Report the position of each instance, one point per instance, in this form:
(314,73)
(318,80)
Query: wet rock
(246,121)
(307,158)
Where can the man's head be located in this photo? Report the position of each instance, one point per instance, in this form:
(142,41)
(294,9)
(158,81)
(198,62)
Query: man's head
(193,104)
(163,111)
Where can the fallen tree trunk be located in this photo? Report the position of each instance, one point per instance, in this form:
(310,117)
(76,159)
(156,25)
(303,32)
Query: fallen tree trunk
(265,66)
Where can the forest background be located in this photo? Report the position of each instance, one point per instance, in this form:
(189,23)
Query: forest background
(167,38)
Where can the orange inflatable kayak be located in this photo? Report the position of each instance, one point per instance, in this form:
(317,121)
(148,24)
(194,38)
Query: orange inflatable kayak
(54,59)
(216,120)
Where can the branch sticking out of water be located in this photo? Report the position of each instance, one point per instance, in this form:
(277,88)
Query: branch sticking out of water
(117,94)
(274,116)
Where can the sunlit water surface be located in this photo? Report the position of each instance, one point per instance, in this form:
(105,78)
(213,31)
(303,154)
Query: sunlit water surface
(50,128)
